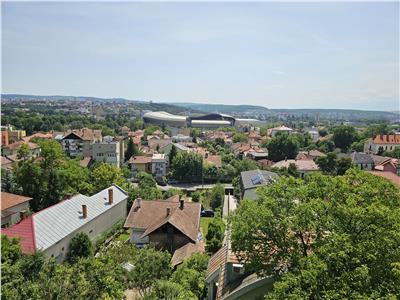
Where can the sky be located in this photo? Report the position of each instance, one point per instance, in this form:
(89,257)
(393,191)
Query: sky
(274,54)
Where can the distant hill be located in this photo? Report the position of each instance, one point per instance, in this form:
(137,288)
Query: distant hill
(223,108)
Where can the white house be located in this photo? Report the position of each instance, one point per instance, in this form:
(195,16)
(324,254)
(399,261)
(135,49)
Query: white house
(159,164)
(385,142)
(51,230)
(274,131)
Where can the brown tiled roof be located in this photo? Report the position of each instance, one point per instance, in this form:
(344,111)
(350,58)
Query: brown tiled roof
(84,162)
(153,214)
(159,142)
(186,251)
(6,163)
(386,139)
(221,257)
(214,159)
(85,134)
(48,135)
(17,145)
(9,200)
(140,160)
(302,164)
(395,179)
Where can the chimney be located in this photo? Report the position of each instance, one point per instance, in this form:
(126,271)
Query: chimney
(168,211)
(181,203)
(84,211)
(139,202)
(110,196)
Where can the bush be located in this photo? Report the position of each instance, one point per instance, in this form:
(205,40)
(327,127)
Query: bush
(80,246)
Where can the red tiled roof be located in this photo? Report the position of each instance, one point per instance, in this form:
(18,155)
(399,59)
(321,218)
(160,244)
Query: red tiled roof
(140,160)
(395,179)
(25,231)
(386,139)
(86,134)
(214,159)
(17,145)
(9,200)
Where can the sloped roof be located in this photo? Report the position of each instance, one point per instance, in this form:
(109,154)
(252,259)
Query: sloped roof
(302,164)
(140,159)
(186,251)
(214,159)
(265,177)
(9,200)
(386,139)
(85,134)
(58,221)
(395,179)
(25,231)
(361,158)
(17,145)
(151,215)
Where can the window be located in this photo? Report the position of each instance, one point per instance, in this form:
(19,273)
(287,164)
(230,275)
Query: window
(62,249)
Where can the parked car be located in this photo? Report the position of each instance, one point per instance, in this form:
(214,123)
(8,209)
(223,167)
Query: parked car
(207,213)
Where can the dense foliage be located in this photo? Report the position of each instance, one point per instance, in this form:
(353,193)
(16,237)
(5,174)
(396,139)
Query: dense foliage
(187,167)
(283,146)
(323,238)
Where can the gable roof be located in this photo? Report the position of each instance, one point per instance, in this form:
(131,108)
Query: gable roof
(395,179)
(185,251)
(25,231)
(361,158)
(10,200)
(140,159)
(255,178)
(302,164)
(17,145)
(214,160)
(85,134)
(152,214)
(54,223)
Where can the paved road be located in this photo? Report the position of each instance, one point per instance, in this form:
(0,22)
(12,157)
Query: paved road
(230,204)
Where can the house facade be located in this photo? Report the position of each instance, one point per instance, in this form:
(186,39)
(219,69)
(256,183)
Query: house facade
(385,142)
(172,225)
(51,230)
(78,142)
(13,208)
(109,151)
(159,163)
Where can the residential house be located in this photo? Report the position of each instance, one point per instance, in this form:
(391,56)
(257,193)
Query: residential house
(212,159)
(257,155)
(4,137)
(251,180)
(51,230)
(12,149)
(241,149)
(140,164)
(15,135)
(304,166)
(179,148)
(47,136)
(280,129)
(385,142)
(389,165)
(313,132)
(181,138)
(13,208)
(80,141)
(159,163)
(7,163)
(311,154)
(125,130)
(362,160)
(172,225)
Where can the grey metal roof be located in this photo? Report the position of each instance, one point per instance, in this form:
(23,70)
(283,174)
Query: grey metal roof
(361,158)
(256,178)
(58,221)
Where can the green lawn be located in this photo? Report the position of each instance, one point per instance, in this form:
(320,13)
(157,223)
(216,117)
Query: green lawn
(204,226)
(123,236)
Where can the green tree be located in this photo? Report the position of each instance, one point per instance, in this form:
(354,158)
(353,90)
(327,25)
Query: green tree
(322,242)
(10,249)
(23,152)
(215,234)
(327,164)
(131,150)
(217,196)
(342,165)
(150,265)
(80,246)
(105,175)
(283,146)
(172,154)
(292,170)
(344,136)
(169,290)
(240,138)
(187,167)
(395,153)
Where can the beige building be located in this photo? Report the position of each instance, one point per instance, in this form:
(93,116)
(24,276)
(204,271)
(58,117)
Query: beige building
(109,151)
(385,142)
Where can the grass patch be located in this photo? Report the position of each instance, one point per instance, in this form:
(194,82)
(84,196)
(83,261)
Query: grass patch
(123,236)
(204,226)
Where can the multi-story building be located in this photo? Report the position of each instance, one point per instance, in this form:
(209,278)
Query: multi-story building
(80,141)
(159,163)
(51,230)
(382,142)
(109,151)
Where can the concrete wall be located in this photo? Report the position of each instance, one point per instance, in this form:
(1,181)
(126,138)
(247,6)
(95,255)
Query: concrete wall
(108,152)
(93,229)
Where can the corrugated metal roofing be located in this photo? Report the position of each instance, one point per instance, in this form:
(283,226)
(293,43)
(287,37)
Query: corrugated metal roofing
(58,221)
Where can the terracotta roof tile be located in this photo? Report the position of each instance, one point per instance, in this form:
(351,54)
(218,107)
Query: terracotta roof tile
(386,139)
(25,231)
(395,179)
(9,200)
(186,251)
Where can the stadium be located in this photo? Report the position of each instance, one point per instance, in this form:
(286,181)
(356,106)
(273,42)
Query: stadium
(215,120)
